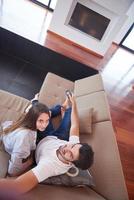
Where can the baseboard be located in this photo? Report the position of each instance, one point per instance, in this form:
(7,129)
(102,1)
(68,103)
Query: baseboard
(70,42)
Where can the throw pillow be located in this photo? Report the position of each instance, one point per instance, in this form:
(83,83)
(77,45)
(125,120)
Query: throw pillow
(85,119)
(83,178)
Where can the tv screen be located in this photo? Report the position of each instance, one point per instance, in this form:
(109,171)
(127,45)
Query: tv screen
(89,21)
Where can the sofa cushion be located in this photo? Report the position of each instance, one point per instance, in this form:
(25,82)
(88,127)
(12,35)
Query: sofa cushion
(62,193)
(11,106)
(83,178)
(53,89)
(85,120)
(106,170)
(97,101)
(88,85)
(4,159)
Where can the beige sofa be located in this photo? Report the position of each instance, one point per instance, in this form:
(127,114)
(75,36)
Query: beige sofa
(106,170)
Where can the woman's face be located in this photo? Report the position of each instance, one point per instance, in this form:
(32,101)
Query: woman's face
(42,122)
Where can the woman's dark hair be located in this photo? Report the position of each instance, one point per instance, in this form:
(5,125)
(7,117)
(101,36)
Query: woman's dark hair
(86,157)
(28,120)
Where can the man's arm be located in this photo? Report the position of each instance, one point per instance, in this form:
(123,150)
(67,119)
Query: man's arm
(22,184)
(74,130)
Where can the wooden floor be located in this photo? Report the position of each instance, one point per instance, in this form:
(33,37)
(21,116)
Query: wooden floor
(117,69)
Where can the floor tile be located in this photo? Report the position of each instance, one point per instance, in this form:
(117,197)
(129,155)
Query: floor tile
(23,90)
(31,75)
(9,69)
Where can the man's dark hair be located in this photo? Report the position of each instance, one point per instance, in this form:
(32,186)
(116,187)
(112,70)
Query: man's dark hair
(86,157)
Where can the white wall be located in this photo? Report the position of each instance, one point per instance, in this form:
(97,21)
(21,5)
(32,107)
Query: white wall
(116,10)
(126,25)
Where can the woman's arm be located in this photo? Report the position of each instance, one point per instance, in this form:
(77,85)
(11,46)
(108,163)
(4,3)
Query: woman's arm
(21,157)
(25,166)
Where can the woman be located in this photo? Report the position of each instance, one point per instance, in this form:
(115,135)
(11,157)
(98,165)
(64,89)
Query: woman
(19,138)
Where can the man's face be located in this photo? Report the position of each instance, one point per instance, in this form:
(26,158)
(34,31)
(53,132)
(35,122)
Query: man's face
(69,152)
(42,122)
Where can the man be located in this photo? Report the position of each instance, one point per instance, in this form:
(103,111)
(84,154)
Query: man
(55,156)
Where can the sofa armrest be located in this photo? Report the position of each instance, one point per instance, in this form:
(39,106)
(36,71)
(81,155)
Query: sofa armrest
(88,85)
(106,170)
(97,101)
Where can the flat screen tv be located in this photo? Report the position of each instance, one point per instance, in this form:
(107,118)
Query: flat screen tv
(89,21)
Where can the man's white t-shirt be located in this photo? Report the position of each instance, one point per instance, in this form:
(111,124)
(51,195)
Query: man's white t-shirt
(48,164)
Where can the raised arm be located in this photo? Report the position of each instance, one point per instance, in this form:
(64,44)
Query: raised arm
(74,130)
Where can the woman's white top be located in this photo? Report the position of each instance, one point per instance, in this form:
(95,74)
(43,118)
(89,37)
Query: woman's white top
(19,144)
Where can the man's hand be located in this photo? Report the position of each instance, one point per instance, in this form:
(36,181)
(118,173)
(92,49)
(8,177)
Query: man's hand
(72,99)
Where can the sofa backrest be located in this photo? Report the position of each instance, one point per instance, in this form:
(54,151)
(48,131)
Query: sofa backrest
(52,92)
(11,106)
(53,89)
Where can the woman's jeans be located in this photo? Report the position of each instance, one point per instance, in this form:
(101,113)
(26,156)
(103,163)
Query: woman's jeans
(62,132)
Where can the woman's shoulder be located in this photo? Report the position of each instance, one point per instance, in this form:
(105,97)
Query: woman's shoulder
(6,124)
(25,131)
(23,135)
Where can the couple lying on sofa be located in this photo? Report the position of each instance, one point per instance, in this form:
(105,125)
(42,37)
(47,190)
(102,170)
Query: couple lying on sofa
(56,153)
